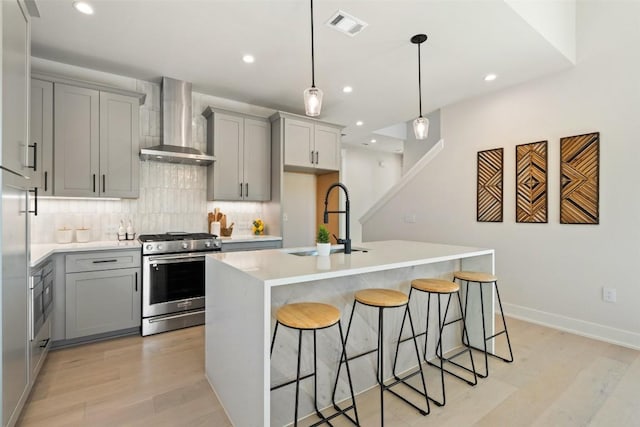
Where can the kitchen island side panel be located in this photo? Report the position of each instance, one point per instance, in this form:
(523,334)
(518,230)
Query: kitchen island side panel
(237,333)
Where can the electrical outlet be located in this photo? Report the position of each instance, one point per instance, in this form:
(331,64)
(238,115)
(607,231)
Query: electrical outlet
(609,294)
(410,218)
(285,217)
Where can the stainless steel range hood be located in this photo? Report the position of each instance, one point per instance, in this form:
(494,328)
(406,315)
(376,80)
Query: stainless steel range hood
(176,144)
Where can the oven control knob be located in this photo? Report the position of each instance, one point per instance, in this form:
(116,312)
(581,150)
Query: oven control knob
(185,245)
(207,244)
(149,247)
(159,247)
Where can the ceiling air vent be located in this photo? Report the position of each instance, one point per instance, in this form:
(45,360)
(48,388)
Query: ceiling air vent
(345,23)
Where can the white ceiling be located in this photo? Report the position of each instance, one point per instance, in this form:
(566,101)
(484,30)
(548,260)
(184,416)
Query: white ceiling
(203,41)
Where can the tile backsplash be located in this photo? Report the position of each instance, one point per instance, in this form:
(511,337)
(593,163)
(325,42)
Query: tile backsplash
(172,196)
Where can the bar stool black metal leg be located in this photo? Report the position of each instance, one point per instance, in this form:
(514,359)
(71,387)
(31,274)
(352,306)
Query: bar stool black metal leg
(424,384)
(295,422)
(273,340)
(504,325)
(343,358)
(353,397)
(380,372)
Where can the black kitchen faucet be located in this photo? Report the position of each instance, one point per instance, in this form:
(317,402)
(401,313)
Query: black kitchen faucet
(347,240)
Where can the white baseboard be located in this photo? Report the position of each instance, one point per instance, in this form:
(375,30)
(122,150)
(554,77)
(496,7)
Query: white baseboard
(579,327)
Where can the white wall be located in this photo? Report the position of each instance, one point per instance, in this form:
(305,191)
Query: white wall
(368,175)
(550,273)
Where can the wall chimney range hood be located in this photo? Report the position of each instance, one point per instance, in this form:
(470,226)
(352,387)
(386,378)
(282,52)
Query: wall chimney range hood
(176,144)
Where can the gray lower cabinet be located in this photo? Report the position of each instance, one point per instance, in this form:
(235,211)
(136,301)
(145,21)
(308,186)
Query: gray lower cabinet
(96,140)
(242,146)
(251,246)
(102,293)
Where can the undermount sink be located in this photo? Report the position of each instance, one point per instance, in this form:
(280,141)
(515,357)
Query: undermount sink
(313,252)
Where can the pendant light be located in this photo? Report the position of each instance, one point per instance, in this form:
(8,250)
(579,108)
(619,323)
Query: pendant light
(313,95)
(421,124)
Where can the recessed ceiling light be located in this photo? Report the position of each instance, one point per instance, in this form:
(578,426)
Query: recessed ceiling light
(249,59)
(490,77)
(83,7)
(347,89)
(373,141)
(359,123)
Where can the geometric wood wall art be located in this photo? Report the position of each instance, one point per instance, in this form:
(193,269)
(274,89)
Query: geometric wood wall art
(579,179)
(490,187)
(531,182)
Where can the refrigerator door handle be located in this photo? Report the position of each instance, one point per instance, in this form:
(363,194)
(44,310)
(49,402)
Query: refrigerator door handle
(35,201)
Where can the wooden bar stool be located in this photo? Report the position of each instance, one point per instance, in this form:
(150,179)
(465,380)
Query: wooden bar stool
(491,280)
(438,288)
(382,299)
(313,316)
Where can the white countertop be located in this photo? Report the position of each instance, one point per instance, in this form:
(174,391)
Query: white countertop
(248,238)
(40,251)
(279,267)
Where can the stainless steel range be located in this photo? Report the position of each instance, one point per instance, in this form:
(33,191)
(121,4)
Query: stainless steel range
(173,279)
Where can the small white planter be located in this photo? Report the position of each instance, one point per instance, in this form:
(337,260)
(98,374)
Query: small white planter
(324,249)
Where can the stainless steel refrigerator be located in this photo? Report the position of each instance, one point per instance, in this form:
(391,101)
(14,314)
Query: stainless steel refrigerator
(15,168)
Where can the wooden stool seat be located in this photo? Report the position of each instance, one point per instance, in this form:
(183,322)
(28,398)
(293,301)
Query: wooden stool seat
(475,276)
(308,315)
(381,297)
(437,286)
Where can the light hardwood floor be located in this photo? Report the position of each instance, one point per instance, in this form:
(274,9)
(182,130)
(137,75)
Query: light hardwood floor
(557,379)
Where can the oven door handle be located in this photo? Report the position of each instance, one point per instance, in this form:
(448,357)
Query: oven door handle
(171,259)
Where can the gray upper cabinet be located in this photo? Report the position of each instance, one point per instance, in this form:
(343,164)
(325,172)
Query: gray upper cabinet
(242,147)
(41,125)
(96,142)
(119,146)
(17,152)
(309,145)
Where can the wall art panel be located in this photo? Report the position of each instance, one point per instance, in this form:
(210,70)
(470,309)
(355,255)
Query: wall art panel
(490,185)
(531,182)
(579,179)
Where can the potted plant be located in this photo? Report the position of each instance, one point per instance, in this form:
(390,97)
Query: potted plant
(322,242)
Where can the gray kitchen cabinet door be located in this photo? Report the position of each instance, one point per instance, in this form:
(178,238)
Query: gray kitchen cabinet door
(257,160)
(41,125)
(327,147)
(77,141)
(298,143)
(119,146)
(17,156)
(102,301)
(228,137)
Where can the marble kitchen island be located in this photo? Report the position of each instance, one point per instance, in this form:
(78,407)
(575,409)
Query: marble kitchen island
(244,290)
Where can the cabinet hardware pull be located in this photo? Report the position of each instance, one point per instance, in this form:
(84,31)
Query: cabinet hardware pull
(136,281)
(240,189)
(104,185)
(35,201)
(311,154)
(101,261)
(246,189)
(46,180)
(94,182)
(35,156)
(317,157)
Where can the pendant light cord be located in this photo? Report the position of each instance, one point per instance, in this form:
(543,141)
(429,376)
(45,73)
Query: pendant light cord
(419,80)
(313,74)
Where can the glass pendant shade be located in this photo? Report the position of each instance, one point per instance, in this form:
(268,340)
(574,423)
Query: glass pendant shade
(312,101)
(421,127)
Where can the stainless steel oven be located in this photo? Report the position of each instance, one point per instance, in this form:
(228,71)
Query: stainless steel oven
(41,290)
(173,280)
